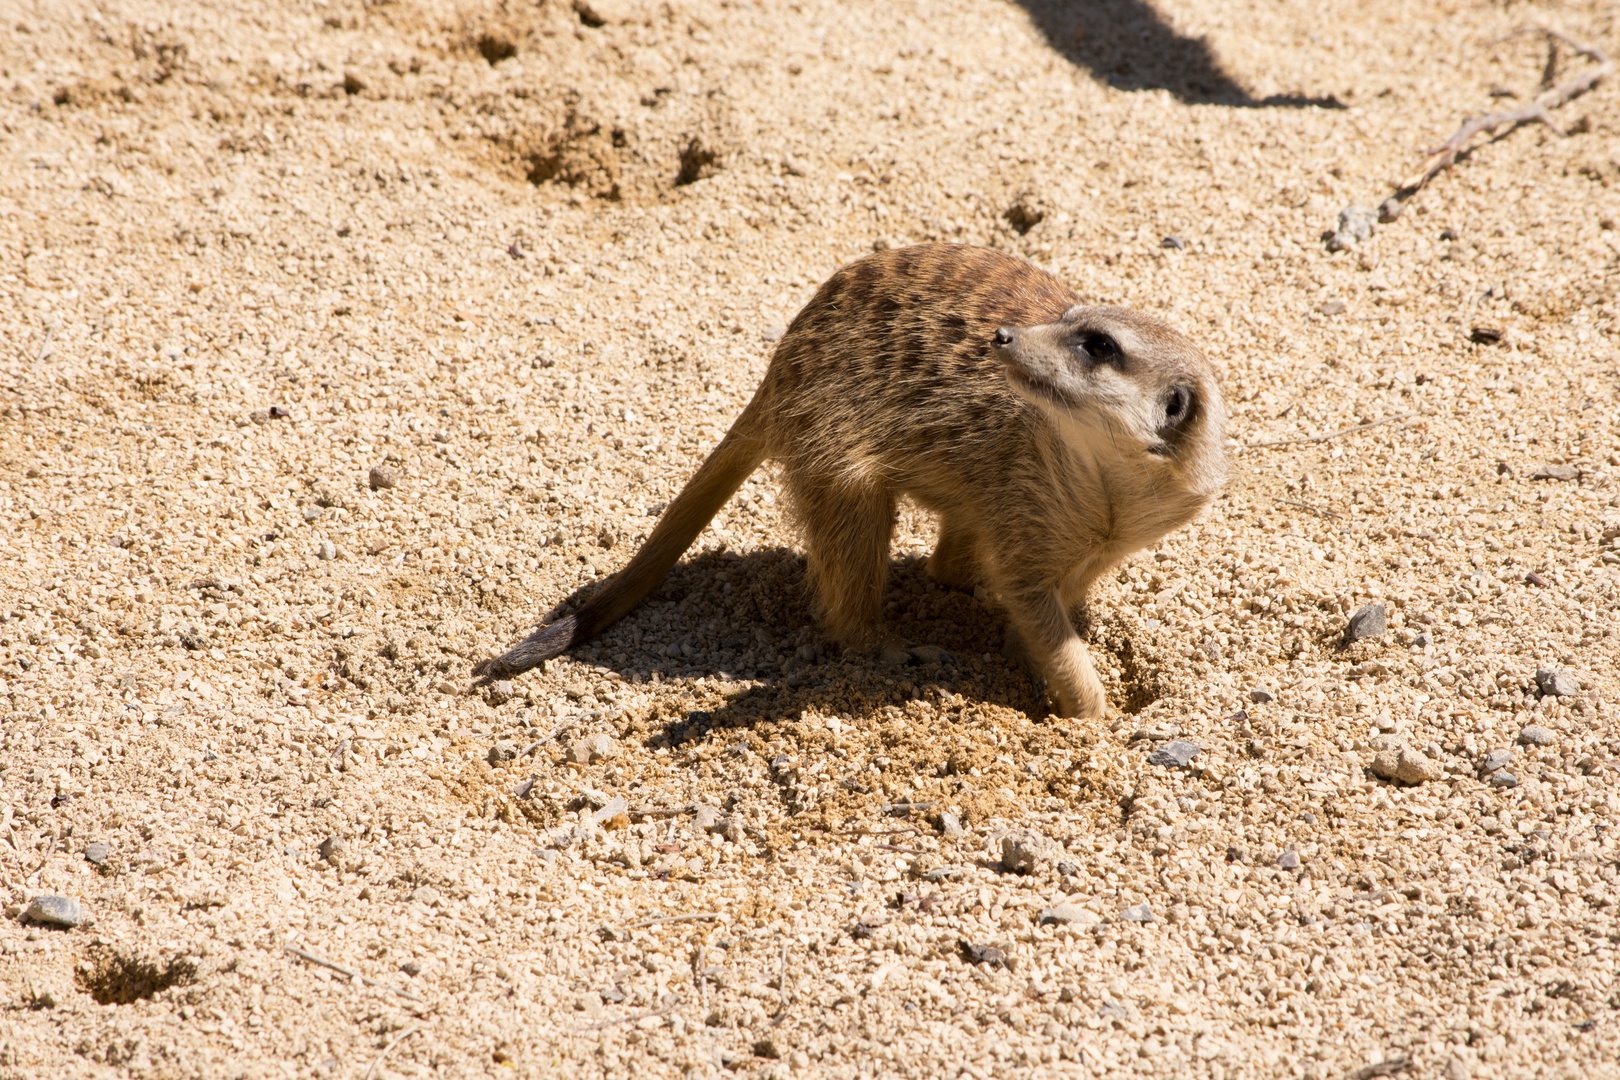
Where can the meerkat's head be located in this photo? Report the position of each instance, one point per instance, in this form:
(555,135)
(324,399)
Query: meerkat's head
(1122,386)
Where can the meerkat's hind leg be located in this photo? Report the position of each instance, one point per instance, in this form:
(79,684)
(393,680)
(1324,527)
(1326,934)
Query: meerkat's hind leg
(847,530)
(954,561)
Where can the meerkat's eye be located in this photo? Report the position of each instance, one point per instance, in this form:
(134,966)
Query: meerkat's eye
(1100,347)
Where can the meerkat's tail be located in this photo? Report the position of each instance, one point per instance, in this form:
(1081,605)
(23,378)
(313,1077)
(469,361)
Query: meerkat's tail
(716,480)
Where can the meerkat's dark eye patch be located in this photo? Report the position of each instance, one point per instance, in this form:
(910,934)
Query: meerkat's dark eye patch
(1101,348)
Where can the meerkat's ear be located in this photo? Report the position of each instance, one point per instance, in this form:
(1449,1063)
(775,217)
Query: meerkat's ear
(1073,313)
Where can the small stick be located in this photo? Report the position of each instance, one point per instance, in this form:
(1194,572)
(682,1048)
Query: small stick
(542,740)
(321,961)
(696,916)
(1537,110)
(1307,506)
(625,1019)
(45,349)
(660,811)
(1329,435)
(407,1033)
(901,850)
(781,987)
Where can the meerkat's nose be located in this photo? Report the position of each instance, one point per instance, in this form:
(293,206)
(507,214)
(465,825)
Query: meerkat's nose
(1002,339)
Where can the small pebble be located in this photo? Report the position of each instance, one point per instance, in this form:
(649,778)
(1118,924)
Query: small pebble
(1389,210)
(773,333)
(951,825)
(97,852)
(1536,735)
(334,849)
(1141,913)
(1173,242)
(1175,755)
(1533,578)
(1261,696)
(1156,732)
(1330,307)
(1556,472)
(1288,860)
(616,806)
(593,748)
(383,477)
(705,817)
(1023,850)
(1502,779)
(311,512)
(1497,759)
(981,954)
(1355,225)
(1557,683)
(1485,335)
(1368,622)
(500,692)
(1406,766)
(428,895)
(503,752)
(55,910)
(328,551)
(1064,914)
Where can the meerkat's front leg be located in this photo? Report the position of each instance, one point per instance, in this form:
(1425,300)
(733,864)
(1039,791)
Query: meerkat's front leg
(1048,643)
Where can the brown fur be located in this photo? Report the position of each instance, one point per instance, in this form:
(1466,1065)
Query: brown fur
(1048,455)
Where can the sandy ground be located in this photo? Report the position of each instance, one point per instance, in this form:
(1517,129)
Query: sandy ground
(344,342)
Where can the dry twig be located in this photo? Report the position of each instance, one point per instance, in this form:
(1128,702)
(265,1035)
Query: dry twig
(696,916)
(333,965)
(1538,110)
(1330,434)
(407,1033)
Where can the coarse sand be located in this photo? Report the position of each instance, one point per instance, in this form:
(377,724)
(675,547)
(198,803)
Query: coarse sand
(345,342)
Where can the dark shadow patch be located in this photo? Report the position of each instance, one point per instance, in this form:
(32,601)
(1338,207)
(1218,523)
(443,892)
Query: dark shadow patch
(496,47)
(114,978)
(1126,44)
(697,163)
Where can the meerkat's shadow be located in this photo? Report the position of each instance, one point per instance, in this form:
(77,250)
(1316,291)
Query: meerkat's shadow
(1128,45)
(750,616)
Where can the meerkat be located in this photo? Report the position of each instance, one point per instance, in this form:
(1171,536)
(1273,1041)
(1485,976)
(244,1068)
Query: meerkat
(1052,439)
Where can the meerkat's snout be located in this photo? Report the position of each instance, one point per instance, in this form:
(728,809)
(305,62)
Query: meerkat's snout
(1002,339)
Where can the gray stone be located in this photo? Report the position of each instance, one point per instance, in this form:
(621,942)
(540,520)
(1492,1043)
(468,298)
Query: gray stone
(593,748)
(1024,850)
(1175,755)
(500,692)
(1065,914)
(1389,210)
(1497,759)
(950,824)
(1173,242)
(312,512)
(383,477)
(1502,779)
(98,852)
(502,752)
(427,895)
(1138,913)
(328,551)
(1288,860)
(1557,683)
(1405,765)
(945,873)
(773,333)
(1536,735)
(1556,472)
(1331,307)
(1355,225)
(335,850)
(1368,622)
(1261,696)
(55,910)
